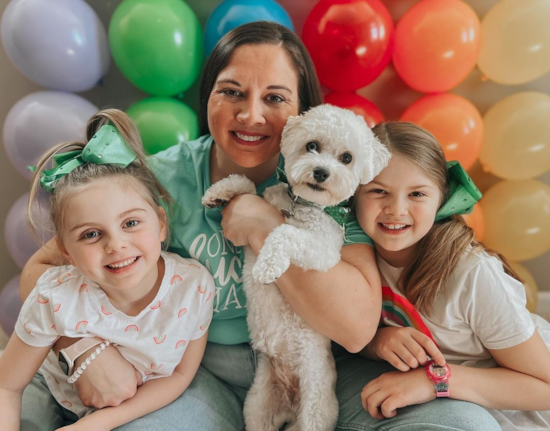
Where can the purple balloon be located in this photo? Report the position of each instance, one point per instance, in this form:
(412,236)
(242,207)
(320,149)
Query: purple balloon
(17,231)
(41,120)
(10,305)
(58,44)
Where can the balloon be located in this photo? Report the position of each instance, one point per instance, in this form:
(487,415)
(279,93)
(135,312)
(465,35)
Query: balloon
(476,222)
(517,218)
(39,121)
(350,41)
(58,44)
(233,13)
(516,41)
(157,44)
(17,231)
(298,11)
(531,289)
(454,121)
(10,305)
(437,44)
(163,122)
(517,137)
(483,180)
(357,104)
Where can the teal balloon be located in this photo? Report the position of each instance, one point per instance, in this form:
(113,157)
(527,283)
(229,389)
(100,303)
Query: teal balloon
(163,122)
(157,44)
(233,13)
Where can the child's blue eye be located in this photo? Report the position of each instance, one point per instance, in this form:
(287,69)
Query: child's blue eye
(417,194)
(379,191)
(131,223)
(91,235)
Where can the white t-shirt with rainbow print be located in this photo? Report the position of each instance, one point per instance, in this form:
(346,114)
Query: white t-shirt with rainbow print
(66,303)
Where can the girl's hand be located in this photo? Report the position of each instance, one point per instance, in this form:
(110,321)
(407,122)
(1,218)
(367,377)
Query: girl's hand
(248,219)
(384,395)
(405,348)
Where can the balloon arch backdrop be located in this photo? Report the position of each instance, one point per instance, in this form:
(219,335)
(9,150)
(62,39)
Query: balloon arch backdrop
(410,65)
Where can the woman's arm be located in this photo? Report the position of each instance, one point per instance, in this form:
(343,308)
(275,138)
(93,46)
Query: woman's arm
(522,383)
(343,304)
(18,364)
(110,379)
(152,396)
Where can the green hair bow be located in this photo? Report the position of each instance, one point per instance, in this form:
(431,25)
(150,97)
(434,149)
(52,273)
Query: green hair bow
(105,148)
(463,193)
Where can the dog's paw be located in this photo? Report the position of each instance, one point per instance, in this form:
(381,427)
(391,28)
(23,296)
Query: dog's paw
(268,271)
(224,190)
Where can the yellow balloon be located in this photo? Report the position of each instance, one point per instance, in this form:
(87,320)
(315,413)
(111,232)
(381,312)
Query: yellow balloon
(517,218)
(531,289)
(515,42)
(517,136)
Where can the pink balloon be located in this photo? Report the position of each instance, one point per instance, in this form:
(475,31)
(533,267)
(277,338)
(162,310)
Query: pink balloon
(17,231)
(10,305)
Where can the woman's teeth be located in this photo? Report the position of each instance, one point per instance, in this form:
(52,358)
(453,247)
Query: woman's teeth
(249,138)
(394,226)
(122,264)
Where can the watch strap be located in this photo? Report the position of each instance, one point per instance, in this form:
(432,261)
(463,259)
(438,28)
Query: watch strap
(77,349)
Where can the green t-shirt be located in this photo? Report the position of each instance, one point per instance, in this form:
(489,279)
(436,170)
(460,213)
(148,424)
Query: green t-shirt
(184,170)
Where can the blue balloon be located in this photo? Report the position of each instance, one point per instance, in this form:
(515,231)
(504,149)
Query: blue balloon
(233,13)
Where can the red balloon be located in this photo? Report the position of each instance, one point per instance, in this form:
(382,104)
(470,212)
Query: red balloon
(454,121)
(437,43)
(350,41)
(357,104)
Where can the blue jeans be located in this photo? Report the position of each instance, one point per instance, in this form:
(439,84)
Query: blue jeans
(214,400)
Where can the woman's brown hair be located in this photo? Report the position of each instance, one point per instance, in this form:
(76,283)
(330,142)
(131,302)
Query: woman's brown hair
(137,174)
(439,251)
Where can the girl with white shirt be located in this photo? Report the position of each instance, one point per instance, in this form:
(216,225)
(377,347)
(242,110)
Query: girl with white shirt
(445,296)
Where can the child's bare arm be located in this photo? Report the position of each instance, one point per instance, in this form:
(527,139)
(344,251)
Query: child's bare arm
(18,365)
(151,396)
(522,382)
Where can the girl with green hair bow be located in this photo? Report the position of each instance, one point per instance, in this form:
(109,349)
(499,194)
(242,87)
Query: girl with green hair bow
(445,296)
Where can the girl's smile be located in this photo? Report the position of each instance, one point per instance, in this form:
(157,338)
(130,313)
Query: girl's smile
(397,209)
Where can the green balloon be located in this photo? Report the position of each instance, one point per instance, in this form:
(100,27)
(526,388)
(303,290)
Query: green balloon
(157,44)
(163,122)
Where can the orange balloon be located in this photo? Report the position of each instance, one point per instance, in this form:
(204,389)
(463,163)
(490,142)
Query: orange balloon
(454,121)
(437,44)
(359,105)
(476,222)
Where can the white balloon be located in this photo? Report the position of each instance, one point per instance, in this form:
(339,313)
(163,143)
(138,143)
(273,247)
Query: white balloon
(58,44)
(41,120)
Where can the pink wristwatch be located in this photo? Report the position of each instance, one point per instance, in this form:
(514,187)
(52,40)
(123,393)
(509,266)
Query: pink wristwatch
(68,355)
(440,376)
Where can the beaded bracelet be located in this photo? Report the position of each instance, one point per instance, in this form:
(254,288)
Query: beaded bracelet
(80,370)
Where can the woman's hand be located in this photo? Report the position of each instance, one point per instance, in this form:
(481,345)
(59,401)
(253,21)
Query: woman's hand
(108,381)
(248,220)
(383,396)
(404,348)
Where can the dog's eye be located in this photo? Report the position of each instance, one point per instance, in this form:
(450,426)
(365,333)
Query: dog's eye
(346,158)
(312,146)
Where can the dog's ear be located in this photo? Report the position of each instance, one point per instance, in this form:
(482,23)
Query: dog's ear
(378,158)
(291,123)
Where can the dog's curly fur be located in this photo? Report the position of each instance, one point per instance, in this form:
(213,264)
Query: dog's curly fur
(296,375)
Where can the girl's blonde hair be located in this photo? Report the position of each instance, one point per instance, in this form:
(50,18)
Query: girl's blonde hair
(439,251)
(137,174)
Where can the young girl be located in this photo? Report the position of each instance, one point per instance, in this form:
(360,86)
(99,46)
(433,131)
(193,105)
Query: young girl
(445,295)
(120,288)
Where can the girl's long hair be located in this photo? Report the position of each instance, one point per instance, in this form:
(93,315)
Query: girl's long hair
(439,251)
(137,174)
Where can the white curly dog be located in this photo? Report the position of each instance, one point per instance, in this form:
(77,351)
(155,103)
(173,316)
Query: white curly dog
(328,152)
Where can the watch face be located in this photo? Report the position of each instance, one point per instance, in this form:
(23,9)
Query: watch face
(63,364)
(438,371)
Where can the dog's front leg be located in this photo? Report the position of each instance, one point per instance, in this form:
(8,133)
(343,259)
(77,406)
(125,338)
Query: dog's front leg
(224,190)
(288,244)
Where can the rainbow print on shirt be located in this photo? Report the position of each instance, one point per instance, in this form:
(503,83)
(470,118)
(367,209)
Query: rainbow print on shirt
(398,309)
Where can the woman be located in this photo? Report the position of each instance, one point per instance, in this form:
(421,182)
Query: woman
(258,75)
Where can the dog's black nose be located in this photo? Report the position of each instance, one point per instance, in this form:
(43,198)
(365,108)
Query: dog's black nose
(321,174)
